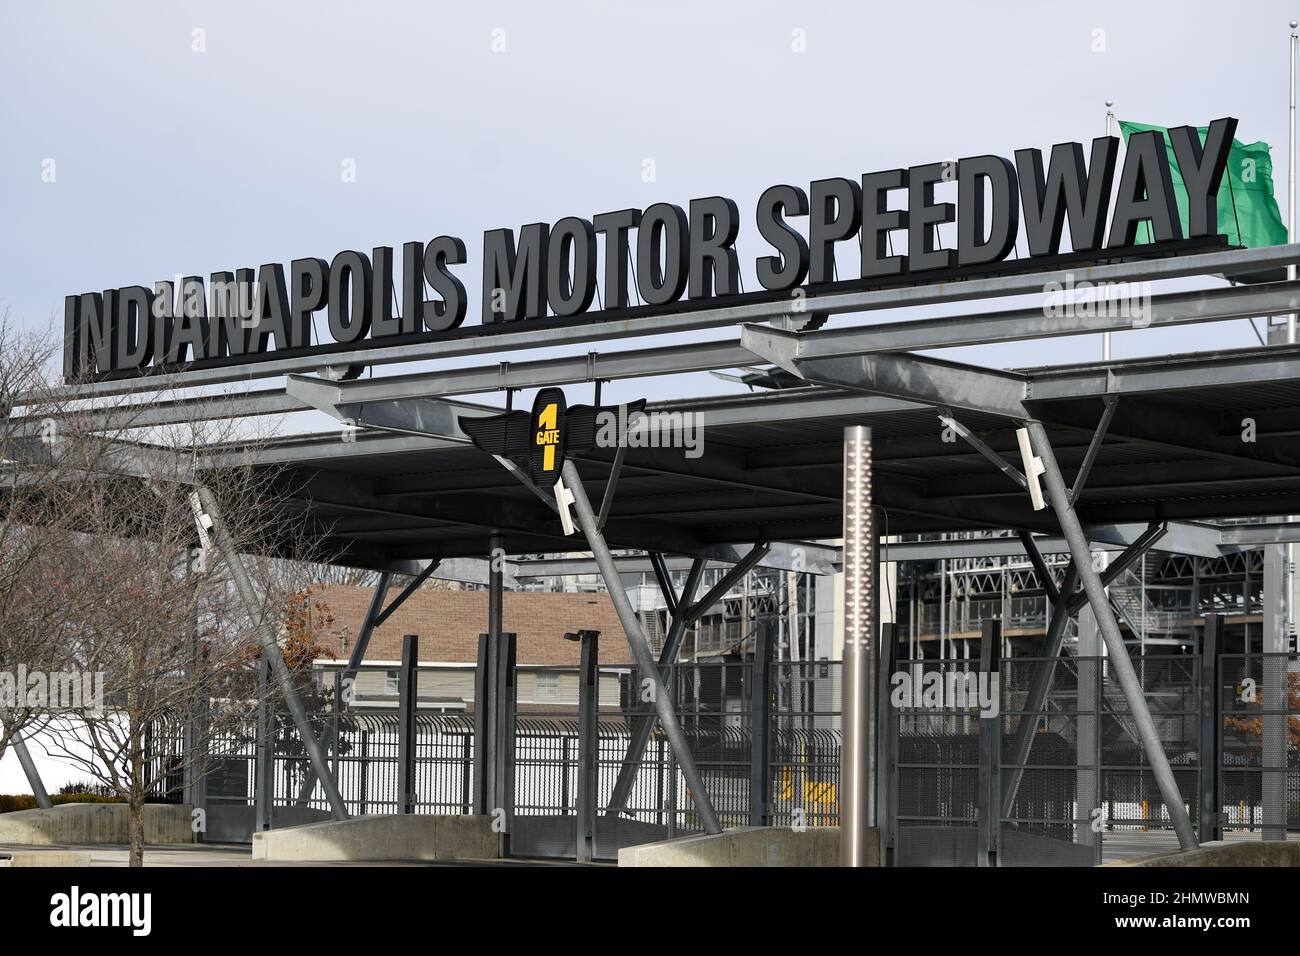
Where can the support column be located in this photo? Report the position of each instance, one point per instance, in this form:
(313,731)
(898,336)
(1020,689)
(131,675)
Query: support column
(1089,688)
(483,724)
(1273,671)
(760,725)
(195,766)
(887,731)
(588,742)
(407,700)
(1211,694)
(271,650)
(503,755)
(857,757)
(486,685)
(989,797)
(1121,664)
(263,784)
(640,648)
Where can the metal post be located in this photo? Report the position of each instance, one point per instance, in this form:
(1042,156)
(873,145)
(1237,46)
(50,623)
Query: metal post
(1211,693)
(486,686)
(483,724)
(640,648)
(1121,665)
(760,724)
(263,786)
(407,702)
(857,756)
(1273,670)
(886,742)
(503,757)
(336,740)
(1087,778)
(196,723)
(271,649)
(588,741)
(989,796)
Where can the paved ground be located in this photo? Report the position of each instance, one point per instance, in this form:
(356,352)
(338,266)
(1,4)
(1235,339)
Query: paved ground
(225,855)
(1126,844)
(1116,845)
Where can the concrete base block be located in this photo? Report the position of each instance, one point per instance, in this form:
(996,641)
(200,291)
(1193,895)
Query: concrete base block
(382,837)
(1225,853)
(92,824)
(44,858)
(748,846)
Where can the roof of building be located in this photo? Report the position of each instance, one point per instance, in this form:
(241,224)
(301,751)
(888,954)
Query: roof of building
(448,624)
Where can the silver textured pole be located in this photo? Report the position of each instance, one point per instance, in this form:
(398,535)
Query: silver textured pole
(641,654)
(1121,665)
(857,755)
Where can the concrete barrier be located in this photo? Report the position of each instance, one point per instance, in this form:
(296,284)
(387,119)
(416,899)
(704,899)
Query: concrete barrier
(748,846)
(234,823)
(1224,853)
(386,837)
(91,824)
(44,858)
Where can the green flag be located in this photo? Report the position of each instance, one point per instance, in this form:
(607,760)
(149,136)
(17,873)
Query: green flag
(1248,213)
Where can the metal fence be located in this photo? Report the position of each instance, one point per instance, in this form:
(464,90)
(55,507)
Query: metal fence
(714,702)
(1082,791)
(1073,784)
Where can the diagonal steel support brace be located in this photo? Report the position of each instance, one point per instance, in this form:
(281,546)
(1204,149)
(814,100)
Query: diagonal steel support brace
(1123,561)
(665,582)
(527,482)
(616,469)
(1031,712)
(1040,565)
(271,651)
(375,617)
(974,441)
(33,775)
(1094,446)
(685,611)
(643,724)
(640,648)
(1120,663)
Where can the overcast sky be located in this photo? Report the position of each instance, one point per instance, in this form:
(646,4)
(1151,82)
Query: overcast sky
(192,137)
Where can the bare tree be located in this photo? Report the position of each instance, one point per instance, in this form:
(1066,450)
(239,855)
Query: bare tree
(43,501)
(164,622)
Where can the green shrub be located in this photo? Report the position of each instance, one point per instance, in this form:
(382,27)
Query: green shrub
(9,802)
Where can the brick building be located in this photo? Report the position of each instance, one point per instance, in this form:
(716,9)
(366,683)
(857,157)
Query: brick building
(449,623)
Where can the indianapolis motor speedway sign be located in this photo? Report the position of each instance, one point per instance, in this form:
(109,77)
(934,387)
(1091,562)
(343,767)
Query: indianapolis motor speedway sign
(673,258)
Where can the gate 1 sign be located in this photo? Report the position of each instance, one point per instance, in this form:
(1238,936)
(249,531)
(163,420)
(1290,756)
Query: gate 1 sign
(549,272)
(546,451)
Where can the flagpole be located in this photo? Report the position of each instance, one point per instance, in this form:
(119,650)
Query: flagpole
(1289,550)
(1291,180)
(1290,185)
(1110,120)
